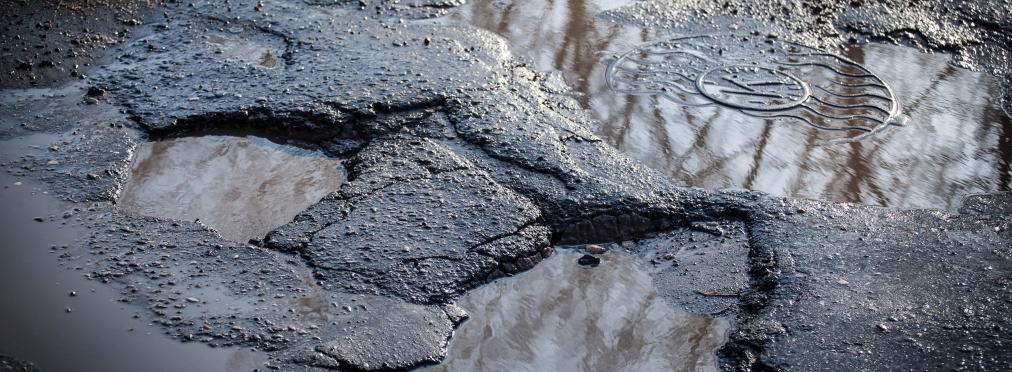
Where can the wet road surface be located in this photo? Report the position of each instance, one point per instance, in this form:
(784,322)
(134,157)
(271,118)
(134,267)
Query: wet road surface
(954,120)
(242,187)
(466,165)
(41,280)
(563,317)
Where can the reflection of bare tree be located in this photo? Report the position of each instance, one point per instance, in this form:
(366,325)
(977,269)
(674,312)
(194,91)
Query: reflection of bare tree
(957,141)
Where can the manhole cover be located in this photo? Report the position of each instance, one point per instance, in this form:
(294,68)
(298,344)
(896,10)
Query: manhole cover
(763,78)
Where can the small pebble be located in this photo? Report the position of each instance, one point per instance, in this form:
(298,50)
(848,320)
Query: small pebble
(595,249)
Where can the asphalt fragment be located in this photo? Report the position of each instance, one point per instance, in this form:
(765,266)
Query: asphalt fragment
(12,364)
(455,126)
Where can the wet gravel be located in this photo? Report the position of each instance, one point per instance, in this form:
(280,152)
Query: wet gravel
(12,364)
(50,42)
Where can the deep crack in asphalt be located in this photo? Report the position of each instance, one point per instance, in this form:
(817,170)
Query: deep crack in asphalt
(464,165)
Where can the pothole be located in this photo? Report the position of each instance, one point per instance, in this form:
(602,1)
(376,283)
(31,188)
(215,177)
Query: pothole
(562,317)
(243,50)
(243,187)
(956,141)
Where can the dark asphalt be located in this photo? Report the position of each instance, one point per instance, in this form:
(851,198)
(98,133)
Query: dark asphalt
(464,166)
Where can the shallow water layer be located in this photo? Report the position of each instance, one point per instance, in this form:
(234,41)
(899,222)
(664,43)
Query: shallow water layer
(955,142)
(38,275)
(562,317)
(244,187)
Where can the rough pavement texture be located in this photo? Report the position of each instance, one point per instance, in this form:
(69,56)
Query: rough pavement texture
(850,287)
(48,42)
(465,166)
(468,151)
(701,268)
(12,364)
(203,288)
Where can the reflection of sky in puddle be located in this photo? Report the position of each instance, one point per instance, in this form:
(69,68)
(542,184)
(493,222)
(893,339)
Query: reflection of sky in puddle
(243,187)
(560,317)
(955,143)
(100,333)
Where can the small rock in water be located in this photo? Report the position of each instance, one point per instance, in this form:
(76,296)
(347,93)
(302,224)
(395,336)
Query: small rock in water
(595,249)
(588,260)
(96,92)
(669,256)
(73,293)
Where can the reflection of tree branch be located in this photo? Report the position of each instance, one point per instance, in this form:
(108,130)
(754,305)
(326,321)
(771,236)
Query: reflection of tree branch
(994,114)
(758,157)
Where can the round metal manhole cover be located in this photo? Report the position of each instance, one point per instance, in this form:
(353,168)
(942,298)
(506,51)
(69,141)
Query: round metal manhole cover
(752,88)
(763,78)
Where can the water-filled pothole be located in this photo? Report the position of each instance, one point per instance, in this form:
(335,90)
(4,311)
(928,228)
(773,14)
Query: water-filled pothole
(241,186)
(957,140)
(50,314)
(562,317)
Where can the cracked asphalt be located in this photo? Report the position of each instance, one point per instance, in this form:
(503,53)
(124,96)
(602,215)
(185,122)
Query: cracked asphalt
(464,166)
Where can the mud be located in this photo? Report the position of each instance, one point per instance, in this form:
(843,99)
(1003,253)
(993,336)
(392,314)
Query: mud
(580,319)
(465,164)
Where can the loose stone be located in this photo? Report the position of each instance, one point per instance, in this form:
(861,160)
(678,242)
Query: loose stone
(588,260)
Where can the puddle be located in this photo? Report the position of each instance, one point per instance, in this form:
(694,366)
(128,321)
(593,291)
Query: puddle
(761,78)
(99,334)
(243,50)
(956,140)
(244,187)
(561,317)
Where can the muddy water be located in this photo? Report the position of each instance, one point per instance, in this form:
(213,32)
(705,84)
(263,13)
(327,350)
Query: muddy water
(37,277)
(955,142)
(244,187)
(561,317)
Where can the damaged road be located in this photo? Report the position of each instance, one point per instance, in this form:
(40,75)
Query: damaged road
(464,165)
